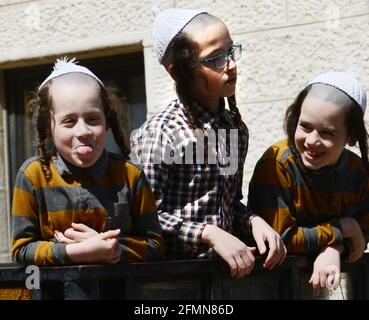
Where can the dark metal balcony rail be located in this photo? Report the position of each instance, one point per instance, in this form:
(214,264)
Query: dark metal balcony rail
(185,280)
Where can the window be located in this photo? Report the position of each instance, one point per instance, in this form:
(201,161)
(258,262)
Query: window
(124,71)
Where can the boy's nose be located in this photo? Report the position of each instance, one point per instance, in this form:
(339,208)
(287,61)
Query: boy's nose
(82,129)
(313,138)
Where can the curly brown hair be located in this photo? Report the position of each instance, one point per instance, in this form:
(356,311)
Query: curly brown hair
(41,104)
(354,123)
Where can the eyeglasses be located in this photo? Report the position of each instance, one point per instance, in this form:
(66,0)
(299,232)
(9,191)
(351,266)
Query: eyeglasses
(221,60)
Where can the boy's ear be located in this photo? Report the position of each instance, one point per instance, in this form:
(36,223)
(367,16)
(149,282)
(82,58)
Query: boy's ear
(351,141)
(169,68)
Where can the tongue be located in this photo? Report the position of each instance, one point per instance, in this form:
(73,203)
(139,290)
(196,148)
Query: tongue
(84,150)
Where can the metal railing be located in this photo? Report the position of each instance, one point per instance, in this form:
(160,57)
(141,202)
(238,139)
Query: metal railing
(184,280)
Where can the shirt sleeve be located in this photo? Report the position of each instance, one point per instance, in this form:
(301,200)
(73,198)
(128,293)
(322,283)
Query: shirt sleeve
(28,245)
(271,195)
(150,149)
(144,242)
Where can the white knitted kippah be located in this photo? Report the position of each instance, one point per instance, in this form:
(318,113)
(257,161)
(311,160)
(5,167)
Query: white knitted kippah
(63,66)
(345,81)
(167,25)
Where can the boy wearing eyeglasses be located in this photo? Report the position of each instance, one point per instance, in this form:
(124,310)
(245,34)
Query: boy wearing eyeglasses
(194,151)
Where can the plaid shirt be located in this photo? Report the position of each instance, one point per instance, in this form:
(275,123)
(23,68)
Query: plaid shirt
(192,182)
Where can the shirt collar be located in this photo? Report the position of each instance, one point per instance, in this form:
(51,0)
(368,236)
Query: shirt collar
(208,119)
(97,170)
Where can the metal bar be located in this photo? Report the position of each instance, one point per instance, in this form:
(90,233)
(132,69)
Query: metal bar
(190,279)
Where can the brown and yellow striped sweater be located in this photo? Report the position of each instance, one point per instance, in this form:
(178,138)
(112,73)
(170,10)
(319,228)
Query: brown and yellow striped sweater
(111,194)
(304,205)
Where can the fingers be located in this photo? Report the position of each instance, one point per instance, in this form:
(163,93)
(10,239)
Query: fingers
(244,264)
(264,233)
(323,279)
(115,260)
(329,279)
(59,236)
(70,233)
(273,255)
(260,244)
(74,234)
(315,282)
(249,260)
(337,280)
(236,265)
(109,234)
(233,251)
(80,232)
(240,267)
(80,227)
(234,268)
(116,251)
(251,249)
(277,253)
(241,264)
(282,254)
(333,278)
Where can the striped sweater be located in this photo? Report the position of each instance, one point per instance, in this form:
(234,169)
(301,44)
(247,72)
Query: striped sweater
(304,205)
(111,194)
